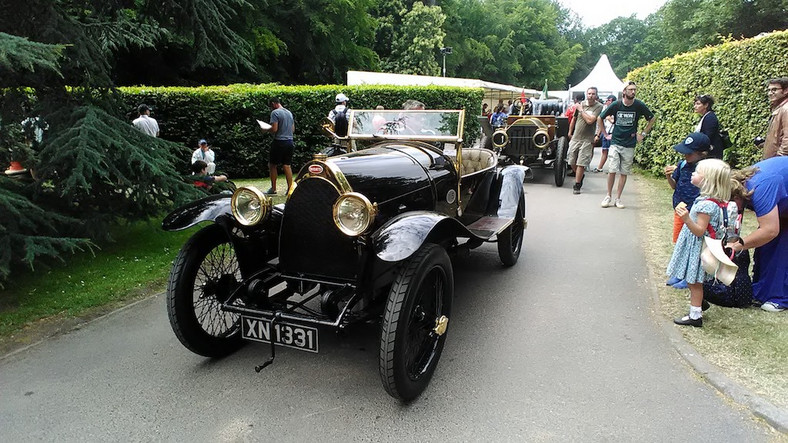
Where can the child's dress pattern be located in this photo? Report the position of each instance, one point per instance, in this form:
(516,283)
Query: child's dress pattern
(685,262)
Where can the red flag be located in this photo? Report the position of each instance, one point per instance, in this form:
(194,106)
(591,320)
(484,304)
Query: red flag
(522,96)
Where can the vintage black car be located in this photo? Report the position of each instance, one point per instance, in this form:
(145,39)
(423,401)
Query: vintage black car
(365,236)
(537,141)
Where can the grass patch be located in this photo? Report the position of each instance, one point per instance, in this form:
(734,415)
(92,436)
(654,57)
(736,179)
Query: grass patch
(749,345)
(137,264)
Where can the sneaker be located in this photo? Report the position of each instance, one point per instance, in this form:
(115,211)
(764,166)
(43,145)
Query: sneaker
(687,321)
(576,188)
(606,201)
(772,307)
(570,174)
(270,191)
(619,205)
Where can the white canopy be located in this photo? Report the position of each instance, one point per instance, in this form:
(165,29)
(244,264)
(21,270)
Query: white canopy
(602,77)
(492,91)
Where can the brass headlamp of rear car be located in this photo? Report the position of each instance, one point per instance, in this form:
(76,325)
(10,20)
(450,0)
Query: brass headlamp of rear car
(250,206)
(541,138)
(500,138)
(353,213)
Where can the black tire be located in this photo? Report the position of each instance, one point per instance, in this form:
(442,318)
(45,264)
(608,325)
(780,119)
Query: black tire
(510,241)
(559,166)
(205,271)
(409,345)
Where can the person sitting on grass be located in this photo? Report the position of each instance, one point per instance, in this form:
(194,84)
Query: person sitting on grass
(201,177)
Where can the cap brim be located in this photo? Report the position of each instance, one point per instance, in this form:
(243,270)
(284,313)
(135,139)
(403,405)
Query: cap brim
(682,148)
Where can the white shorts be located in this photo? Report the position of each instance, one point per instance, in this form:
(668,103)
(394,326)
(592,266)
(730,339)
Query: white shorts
(620,159)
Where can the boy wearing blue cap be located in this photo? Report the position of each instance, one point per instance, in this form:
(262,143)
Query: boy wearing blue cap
(695,148)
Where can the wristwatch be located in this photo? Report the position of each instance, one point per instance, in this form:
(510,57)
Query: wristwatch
(644,134)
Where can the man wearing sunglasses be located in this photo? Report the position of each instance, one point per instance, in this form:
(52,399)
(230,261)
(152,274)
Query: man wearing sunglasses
(777,134)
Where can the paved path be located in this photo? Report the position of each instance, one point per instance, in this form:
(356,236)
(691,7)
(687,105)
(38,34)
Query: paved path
(565,346)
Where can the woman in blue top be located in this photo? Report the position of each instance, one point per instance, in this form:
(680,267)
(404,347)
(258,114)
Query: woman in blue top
(764,188)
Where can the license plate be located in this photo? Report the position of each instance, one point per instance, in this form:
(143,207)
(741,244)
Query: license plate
(282,333)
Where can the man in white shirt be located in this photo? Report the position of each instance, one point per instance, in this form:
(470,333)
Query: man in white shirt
(206,154)
(145,122)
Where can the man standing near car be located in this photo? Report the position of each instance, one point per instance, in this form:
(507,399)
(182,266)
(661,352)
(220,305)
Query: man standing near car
(626,113)
(777,135)
(282,126)
(583,135)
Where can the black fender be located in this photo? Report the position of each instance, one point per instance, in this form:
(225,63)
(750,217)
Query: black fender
(404,234)
(204,209)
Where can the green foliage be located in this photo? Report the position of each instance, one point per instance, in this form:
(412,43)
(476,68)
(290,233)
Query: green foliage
(512,42)
(678,26)
(734,73)
(136,264)
(690,24)
(106,169)
(28,232)
(418,40)
(627,41)
(225,116)
(19,55)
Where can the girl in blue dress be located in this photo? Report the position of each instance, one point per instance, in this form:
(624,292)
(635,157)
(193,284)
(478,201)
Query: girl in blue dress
(713,177)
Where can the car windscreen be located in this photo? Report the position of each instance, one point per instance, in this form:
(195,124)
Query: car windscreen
(444,125)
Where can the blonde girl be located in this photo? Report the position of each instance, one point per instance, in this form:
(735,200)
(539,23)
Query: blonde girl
(713,178)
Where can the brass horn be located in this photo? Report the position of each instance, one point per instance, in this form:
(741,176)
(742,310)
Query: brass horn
(327,128)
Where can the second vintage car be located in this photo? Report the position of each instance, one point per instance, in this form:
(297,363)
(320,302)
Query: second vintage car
(363,236)
(536,141)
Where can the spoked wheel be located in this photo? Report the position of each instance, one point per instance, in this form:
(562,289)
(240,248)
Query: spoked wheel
(205,273)
(559,167)
(510,241)
(415,322)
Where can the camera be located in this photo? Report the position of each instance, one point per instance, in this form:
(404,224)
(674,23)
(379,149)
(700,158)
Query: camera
(758,140)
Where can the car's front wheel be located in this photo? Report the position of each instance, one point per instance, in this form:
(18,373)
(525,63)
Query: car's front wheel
(415,322)
(510,241)
(204,275)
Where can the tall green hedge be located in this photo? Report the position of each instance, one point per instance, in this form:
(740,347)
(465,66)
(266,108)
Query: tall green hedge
(225,116)
(734,73)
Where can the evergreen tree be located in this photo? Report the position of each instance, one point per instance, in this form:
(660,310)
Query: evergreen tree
(91,168)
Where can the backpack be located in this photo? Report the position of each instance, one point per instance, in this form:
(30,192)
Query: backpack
(739,293)
(726,139)
(341,122)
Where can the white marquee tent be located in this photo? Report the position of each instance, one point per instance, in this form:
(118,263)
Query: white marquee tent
(603,77)
(492,91)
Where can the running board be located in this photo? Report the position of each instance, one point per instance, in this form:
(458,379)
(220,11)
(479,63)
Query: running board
(489,225)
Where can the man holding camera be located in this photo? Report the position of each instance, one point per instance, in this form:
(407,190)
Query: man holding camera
(777,134)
